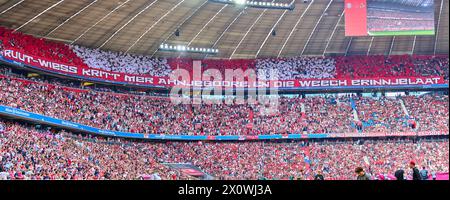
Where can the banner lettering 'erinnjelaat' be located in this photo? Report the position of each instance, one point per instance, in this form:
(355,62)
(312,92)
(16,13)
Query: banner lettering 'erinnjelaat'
(106,76)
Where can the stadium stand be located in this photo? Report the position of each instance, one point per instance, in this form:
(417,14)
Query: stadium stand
(33,153)
(157,115)
(52,155)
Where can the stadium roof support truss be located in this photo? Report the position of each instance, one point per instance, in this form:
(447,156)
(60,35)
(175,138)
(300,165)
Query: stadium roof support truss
(129,21)
(437,27)
(370,45)
(414,45)
(226,29)
(392,46)
(294,28)
(71,17)
(35,17)
(103,18)
(204,26)
(11,7)
(270,32)
(315,27)
(248,31)
(153,25)
(180,25)
(348,46)
(332,33)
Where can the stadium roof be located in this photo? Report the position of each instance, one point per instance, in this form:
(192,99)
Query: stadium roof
(140,26)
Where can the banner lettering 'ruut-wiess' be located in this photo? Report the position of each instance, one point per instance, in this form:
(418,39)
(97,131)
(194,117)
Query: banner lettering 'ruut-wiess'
(167,82)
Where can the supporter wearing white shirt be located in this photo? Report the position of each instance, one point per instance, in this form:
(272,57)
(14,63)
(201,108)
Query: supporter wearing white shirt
(4,176)
(123,63)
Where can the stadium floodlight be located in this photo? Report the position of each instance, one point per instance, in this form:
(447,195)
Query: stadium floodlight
(183,48)
(240,2)
(257,4)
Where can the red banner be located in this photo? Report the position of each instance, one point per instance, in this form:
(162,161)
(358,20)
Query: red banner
(106,76)
(356,18)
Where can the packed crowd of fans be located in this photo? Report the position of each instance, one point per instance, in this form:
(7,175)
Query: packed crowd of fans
(296,68)
(122,62)
(38,47)
(430,112)
(382,114)
(284,68)
(110,111)
(145,114)
(393,66)
(28,153)
(436,66)
(377,157)
(329,115)
(159,115)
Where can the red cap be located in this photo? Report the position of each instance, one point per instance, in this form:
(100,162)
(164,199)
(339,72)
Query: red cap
(412,163)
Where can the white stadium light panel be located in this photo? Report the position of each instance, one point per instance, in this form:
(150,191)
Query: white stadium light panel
(182,48)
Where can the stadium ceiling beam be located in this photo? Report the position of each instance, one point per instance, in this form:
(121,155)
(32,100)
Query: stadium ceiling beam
(348,46)
(270,32)
(181,24)
(293,29)
(226,29)
(248,31)
(153,25)
(204,26)
(414,45)
(370,46)
(71,17)
(38,15)
(315,27)
(96,23)
(11,7)
(128,22)
(392,46)
(437,28)
(332,33)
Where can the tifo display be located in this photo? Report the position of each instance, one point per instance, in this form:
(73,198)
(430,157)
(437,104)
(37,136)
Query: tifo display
(300,72)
